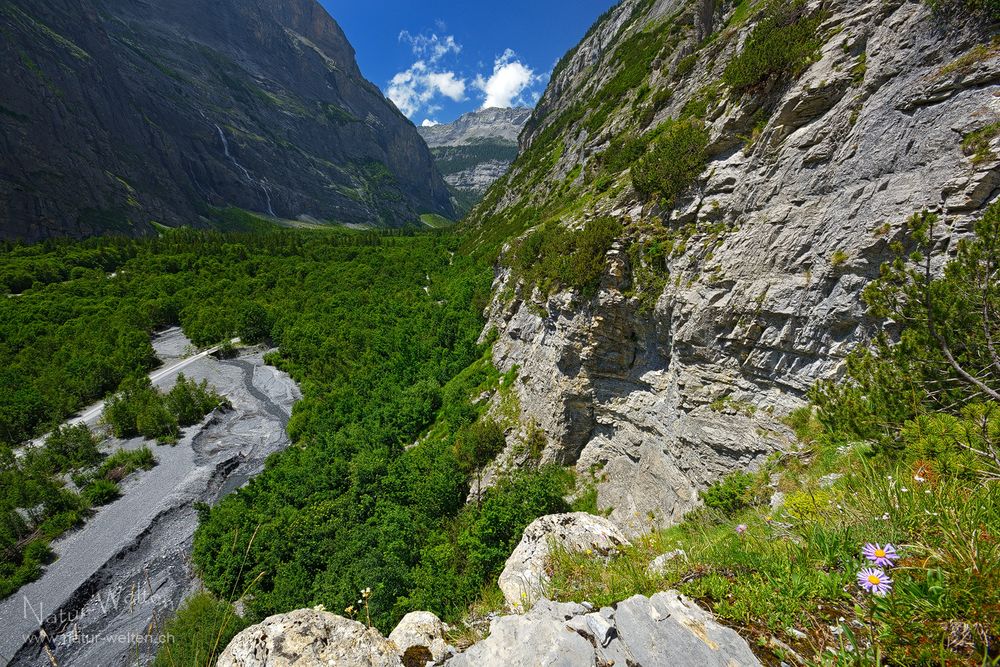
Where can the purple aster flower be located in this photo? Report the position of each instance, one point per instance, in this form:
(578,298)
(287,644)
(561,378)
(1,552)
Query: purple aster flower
(881,556)
(740,529)
(875,581)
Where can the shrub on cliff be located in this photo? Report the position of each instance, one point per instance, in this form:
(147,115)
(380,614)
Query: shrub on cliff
(554,257)
(945,355)
(783,41)
(988,8)
(676,159)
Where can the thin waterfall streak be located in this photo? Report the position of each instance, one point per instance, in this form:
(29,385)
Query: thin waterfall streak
(246,172)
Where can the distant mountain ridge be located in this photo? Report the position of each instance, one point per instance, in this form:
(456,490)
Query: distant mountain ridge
(476,150)
(117,114)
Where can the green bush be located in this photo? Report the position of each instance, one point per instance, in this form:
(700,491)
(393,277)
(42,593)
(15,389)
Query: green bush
(977,144)
(554,257)
(478,444)
(989,8)
(154,421)
(140,409)
(677,158)
(188,402)
(121,411)
(622,153)
(784,40)
(254,324)
(456,564)
(731,494)
(72,447)
(67,448)
(199,632)
(124,462)
(101,492)
(948,326)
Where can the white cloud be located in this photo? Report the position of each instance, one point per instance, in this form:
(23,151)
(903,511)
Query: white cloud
(448,85)
(429,123)
(431,47)
(510,80)
(416,88)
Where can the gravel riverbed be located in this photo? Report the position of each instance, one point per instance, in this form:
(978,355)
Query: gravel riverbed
(104,600)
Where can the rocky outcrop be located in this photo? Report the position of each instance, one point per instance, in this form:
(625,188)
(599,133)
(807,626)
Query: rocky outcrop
(477,149)
(119,114)
(309,638)
(656,389)
(666,630)
(524,578)
(496,124)
(420,640)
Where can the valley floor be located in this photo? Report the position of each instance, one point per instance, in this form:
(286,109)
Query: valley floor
(128,568)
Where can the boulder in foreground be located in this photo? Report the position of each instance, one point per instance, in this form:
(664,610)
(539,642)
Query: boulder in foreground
(666,630)
(309,638)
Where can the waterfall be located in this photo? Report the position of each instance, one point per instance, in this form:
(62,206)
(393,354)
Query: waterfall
(262,184)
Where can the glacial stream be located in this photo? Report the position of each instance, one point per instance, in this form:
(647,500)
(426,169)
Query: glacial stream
(104,601)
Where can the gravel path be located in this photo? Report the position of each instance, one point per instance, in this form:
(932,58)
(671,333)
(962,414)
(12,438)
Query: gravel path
(128,568)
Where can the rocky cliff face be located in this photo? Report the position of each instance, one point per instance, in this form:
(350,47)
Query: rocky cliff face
(119,113)
(719,310)
(477,149)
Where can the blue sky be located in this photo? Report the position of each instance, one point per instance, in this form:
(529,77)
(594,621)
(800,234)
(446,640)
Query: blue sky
(438,59)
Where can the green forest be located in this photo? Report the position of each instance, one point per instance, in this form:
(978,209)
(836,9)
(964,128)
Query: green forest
(381,332)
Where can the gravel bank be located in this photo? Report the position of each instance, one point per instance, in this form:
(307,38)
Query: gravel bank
(128,568)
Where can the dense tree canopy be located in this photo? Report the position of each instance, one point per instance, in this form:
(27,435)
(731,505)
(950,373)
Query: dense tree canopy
(381,332)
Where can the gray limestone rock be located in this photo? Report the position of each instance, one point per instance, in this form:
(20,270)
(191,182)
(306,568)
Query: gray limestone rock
(524,579)
(656,398)
(476,150)
(666,630)
(309,638)
(659,564)
(419,640)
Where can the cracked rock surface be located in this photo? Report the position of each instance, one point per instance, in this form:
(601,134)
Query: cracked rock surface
(666,630)
(656,398)
(309,638)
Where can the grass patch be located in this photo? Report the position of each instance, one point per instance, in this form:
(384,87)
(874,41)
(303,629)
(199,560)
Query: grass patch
(201,630)
(435,221)
(124,462)
(974,56)
(988,8)
(977,144)
(791,574)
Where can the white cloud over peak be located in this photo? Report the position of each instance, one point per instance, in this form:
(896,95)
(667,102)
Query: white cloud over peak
(510,80)
(435,78)
(416,87)
(429,123)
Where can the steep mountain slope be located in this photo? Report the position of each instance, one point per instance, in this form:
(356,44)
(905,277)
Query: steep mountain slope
(746,166)
(477,149)
(119,113)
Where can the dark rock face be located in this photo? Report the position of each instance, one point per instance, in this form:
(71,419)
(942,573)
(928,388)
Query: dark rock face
(119,113)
